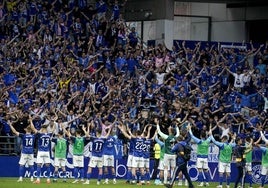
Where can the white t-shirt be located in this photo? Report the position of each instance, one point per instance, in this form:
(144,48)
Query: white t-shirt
(160,77)
(225,131)
(238,80)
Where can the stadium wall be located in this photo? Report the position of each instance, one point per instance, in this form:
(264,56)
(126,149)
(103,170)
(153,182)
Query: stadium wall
(9,166)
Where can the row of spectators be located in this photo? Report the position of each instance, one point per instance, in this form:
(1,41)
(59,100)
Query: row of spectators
(76,62)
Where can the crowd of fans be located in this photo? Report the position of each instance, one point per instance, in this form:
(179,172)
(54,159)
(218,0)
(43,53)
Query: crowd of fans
(77,62)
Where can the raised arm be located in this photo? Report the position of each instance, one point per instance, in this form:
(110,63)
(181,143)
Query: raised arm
(13,129)
(177,131)
(263,138)
(219,144)
(123,130)
(32,125)
(159,141)
(108,133)
(86,131)
(232,143)
(148,132)
(249,146)
(67,133)
(196,140)
(164,136)
(257,142)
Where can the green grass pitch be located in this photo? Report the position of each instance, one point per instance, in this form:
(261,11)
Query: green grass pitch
(12,183)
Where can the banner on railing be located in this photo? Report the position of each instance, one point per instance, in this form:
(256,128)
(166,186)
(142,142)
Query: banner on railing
(9,167)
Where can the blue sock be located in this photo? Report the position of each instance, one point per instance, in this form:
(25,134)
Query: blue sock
(82,173)
(21,171)
(129,175)
(64,174)
(228,179)
(249,177)
(38,171)
(88,176)
(200,177)
(134,177)
(48,172)
(221,179)
(263,177)
(113,175)
(138,174)
(206,176)
(147,175)
(31,170)
(75,172)
(99,177)
(143,177)
(109,171)
(56,174)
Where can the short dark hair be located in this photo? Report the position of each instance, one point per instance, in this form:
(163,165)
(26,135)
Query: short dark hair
(203,134)
(180,138)
(78,131)
(225,137)
(238,139)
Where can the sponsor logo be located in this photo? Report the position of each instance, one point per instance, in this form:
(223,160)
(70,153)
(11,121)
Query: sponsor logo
(256,174)
(194,172)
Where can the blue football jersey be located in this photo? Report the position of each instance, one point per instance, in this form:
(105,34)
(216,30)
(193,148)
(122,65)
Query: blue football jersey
(131,147)
(138,147)
(97,146)
(147,145)
(109,146)
(44,142)
(27,143)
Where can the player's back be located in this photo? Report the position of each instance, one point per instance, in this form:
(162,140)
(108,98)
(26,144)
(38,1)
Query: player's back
(61,148)
(27,143)
(225,153)
(97,146)
(78,145)
(147,145)
(138,147)
(44,141)
(109,146)
(203,147)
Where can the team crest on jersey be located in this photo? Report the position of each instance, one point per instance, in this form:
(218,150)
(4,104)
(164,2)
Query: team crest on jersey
(110,140)
(256,174)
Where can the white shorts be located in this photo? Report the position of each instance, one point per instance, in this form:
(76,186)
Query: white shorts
(108,160)
(59,162)
(264,170)
(202,163)
(96,162)
(169,160)
(146,162)
(26,158)
(78,160)
(224,167)
(248,167)
(43,157)
(130,161)
(138,162)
